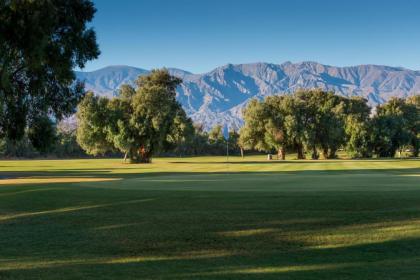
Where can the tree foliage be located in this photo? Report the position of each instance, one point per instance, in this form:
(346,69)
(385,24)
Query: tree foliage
(41,42)
(309,119)
(358,128)
(395,127)
(314,121)
(139,122)
(93,119)
(42,134)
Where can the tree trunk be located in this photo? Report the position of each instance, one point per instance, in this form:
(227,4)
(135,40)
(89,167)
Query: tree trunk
(281,153)
(325,153)
(315,154)
(332,153)
(145,156)
(416,147)
(242,152)
(415,152)
(125,157)
(300,154)
(133,156)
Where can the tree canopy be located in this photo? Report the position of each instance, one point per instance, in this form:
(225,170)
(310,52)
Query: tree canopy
(310,121)
(139,122)
(41,42)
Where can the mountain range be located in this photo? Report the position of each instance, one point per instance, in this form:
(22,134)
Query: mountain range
(218,97)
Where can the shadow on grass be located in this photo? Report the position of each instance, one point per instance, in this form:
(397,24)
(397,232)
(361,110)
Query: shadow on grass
(109,173)
(310,162)
(396,259)
(74,232)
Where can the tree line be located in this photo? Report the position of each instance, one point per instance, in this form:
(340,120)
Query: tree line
(317,123)
(146,120)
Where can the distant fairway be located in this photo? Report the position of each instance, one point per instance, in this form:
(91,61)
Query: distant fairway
(203,218)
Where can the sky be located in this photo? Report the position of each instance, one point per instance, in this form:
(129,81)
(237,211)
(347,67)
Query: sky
(200,35)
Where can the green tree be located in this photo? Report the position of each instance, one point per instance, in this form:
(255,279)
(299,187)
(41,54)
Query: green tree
(413,116)
(154,111)
(93,118)
(233,143)
(41,42)
(252,134)
(330,119)
(297,124)
(321,114)
(216,135)
(67,145)
(42,134)
(358,128)
(275,135)
(17,148)
(217,141)
(391,123)
(139,122)
(200,141)
(120,128)
(182,133)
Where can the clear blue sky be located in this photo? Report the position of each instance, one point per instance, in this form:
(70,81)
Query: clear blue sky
(199,35)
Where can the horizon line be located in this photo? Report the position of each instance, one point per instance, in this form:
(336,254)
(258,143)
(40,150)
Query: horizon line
(247,63)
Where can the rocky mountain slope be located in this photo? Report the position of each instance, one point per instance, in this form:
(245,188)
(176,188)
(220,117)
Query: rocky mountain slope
(217,97)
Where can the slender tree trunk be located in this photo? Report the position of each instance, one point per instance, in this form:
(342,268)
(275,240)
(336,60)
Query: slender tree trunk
(242,152)
(415,143)
(281,153)
(325,153)
(125,157)
(315,154)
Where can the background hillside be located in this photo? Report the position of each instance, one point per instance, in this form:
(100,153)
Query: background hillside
(217,97)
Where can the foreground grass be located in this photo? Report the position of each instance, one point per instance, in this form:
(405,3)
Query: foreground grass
(203,218)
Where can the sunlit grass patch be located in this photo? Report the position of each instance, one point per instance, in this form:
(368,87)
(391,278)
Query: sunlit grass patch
(357,235)
(55,263)
(248,232)
(51,180)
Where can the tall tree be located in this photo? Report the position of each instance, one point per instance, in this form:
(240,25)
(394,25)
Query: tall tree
(93,118)
(252,134)
(154,111)
(41,42)
(199,145)
(42,134)
(139,122)
(182,133)
(217,141)
(413,116)
(321,113)
(358,128)
(297,124)
(329,124)
(275,135)
(233,143)
(391,123)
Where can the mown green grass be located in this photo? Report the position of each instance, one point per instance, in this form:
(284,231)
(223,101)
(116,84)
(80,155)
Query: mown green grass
(203,218)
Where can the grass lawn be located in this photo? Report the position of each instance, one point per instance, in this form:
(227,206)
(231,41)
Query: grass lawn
(202,218)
